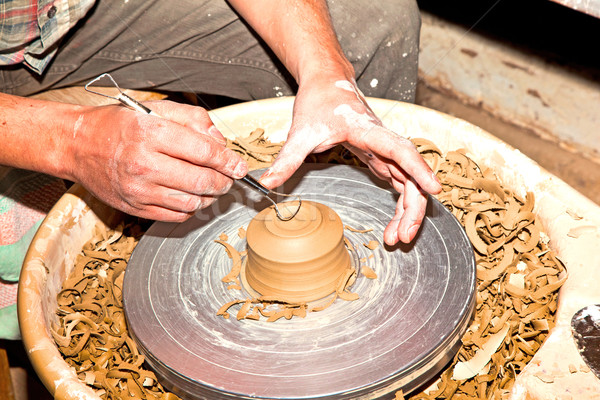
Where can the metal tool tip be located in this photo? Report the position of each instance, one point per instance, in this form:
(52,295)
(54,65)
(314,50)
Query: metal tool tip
(288,209)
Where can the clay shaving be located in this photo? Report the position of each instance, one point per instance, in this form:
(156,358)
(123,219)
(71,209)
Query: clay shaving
(92,333)
(351,229)
(518,279)
(368,272)
(255,149)
(372,245)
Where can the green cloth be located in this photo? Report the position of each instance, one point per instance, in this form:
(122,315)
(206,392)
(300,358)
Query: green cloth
(25,198)
(12,255)
(9,324)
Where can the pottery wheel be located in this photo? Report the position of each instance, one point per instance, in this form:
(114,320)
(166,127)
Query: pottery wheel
(405,327)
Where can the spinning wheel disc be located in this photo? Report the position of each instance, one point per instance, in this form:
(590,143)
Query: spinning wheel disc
(401,332)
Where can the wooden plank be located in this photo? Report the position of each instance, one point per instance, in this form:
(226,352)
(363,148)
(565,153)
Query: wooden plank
(6,388)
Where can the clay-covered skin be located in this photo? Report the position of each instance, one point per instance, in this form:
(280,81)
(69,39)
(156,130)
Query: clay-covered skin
(299,260)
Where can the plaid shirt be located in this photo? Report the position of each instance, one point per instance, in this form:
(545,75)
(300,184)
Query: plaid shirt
(30,30)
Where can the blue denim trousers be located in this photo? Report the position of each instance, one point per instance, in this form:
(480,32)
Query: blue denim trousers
(204,47)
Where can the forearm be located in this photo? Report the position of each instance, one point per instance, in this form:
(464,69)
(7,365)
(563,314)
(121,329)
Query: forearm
(301,35)
(33,134)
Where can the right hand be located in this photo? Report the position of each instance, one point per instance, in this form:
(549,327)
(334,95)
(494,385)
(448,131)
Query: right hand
(156,168)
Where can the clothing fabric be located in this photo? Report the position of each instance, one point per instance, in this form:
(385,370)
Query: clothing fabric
(31,30)
(197,46)
(204,47)
(25,199)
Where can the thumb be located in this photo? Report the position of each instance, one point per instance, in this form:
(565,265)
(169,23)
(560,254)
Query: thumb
(291,156)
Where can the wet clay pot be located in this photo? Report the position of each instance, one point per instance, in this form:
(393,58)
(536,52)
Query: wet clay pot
(299,260)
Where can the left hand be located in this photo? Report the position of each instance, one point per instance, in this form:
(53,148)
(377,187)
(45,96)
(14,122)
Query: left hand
(331,113)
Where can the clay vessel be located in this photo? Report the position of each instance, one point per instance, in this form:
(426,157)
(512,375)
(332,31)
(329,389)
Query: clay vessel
(299,260)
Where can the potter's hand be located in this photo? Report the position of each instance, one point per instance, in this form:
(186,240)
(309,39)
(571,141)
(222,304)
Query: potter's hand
(332,113)
(162,169)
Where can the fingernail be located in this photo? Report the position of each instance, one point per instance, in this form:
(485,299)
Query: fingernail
(208,201)
(394,238)
(268,173)
(215,133)
(266,177)
(412,231)
(240,170)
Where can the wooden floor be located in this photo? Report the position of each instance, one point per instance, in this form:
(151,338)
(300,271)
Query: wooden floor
(20,382)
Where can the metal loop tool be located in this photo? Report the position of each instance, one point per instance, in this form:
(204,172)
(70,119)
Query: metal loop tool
(130,102)
(254,184)
(121,97)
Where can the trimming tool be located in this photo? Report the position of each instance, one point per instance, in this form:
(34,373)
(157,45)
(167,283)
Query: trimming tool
(130,102)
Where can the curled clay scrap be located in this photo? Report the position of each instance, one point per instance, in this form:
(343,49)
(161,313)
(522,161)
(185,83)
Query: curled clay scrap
(255,149)
(518,278)
(351,229)
(368,272)
(469,369)
(92,333)
(372,245)
(237,262)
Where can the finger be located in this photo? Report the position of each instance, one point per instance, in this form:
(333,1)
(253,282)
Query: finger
(377,167)
(158,213)
(291,156)
(400,150)
(414,204)
(178,202)
(382,168)
(193,117)
(187,145)
(207,201)
(378,172)
(215,133)
(175,200)
(390,234)
(387,170)
(190,178)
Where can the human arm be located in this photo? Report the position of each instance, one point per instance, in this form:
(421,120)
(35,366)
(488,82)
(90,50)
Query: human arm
(329,109)
(155,168)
